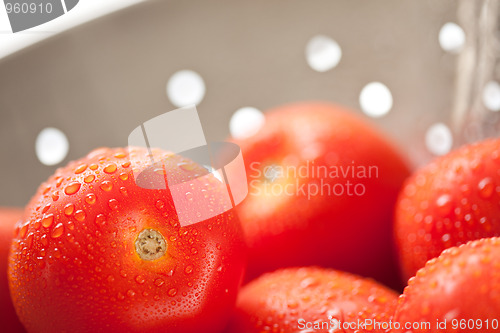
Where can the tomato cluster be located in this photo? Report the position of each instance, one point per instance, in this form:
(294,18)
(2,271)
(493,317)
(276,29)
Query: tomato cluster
(333,226)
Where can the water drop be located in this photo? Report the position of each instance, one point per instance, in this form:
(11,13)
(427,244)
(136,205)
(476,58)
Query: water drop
(47,220)
(106,186)
(55,196)
(37,224)
(90,198)
(24,230)
(93,166)
(188,269)
(160,204)
(172,292)
(189,196)
(100,219)
(44,240)
(187,166)
(80,215)
(72,188)
(159,282)
(89,179)
(126,164)
(444,204)
(486,188)
(57,231)
(140,279)
(130,293)
(113,204)
(123,176)
(46,208)
(110,168)
(123,191)
(81,169)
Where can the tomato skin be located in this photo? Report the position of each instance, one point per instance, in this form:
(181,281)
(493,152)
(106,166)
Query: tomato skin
(8,218)
(447,203)
(74,266)
(285,300)
(462,284)
(346,232)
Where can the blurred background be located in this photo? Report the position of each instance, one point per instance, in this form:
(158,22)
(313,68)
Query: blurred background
(398,63)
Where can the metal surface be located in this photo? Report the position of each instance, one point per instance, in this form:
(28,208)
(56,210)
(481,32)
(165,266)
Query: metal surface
(99,81)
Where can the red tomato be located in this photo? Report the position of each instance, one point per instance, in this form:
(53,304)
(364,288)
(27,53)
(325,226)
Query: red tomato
(97,253)
(449,202)
(322,189)
(8,217)
(461,287)
(295,299)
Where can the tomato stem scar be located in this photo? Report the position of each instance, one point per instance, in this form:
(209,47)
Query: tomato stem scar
(150,245)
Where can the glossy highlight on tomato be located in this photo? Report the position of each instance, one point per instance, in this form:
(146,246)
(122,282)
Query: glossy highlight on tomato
(97,253)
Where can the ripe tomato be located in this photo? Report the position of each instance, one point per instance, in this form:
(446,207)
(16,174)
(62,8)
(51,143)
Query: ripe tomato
(294,299)
(461,287)
(449,202)
(8,217)
(97,253)
(322,189)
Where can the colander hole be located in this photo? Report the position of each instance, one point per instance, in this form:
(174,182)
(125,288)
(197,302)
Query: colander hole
(375,99)
(451,37)
(438,139)
(185,87)
(491,96)
(323,53)
(51,146)
(245,122)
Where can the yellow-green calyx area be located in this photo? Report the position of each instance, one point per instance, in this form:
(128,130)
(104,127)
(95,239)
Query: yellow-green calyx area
(150,244)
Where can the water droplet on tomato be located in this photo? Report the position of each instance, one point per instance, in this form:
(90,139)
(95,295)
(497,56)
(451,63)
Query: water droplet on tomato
(172,292)
(80,215)
(90,198)
(55,196)
(123,191)
(188,269)
(47,220)
(126,164)
(69,209)
(89,179)
(93,166)
(113,204)
(29,240)
(187,166)
(100,220)
(57,231)
(160,204)
(44,240)
(486,188)
(106,186)
(140,279)
(46,208)
(159,282)
(110,168)
(130,293)
(444,204)
(123,176)
(189,196)
(72,188)
(81,169)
